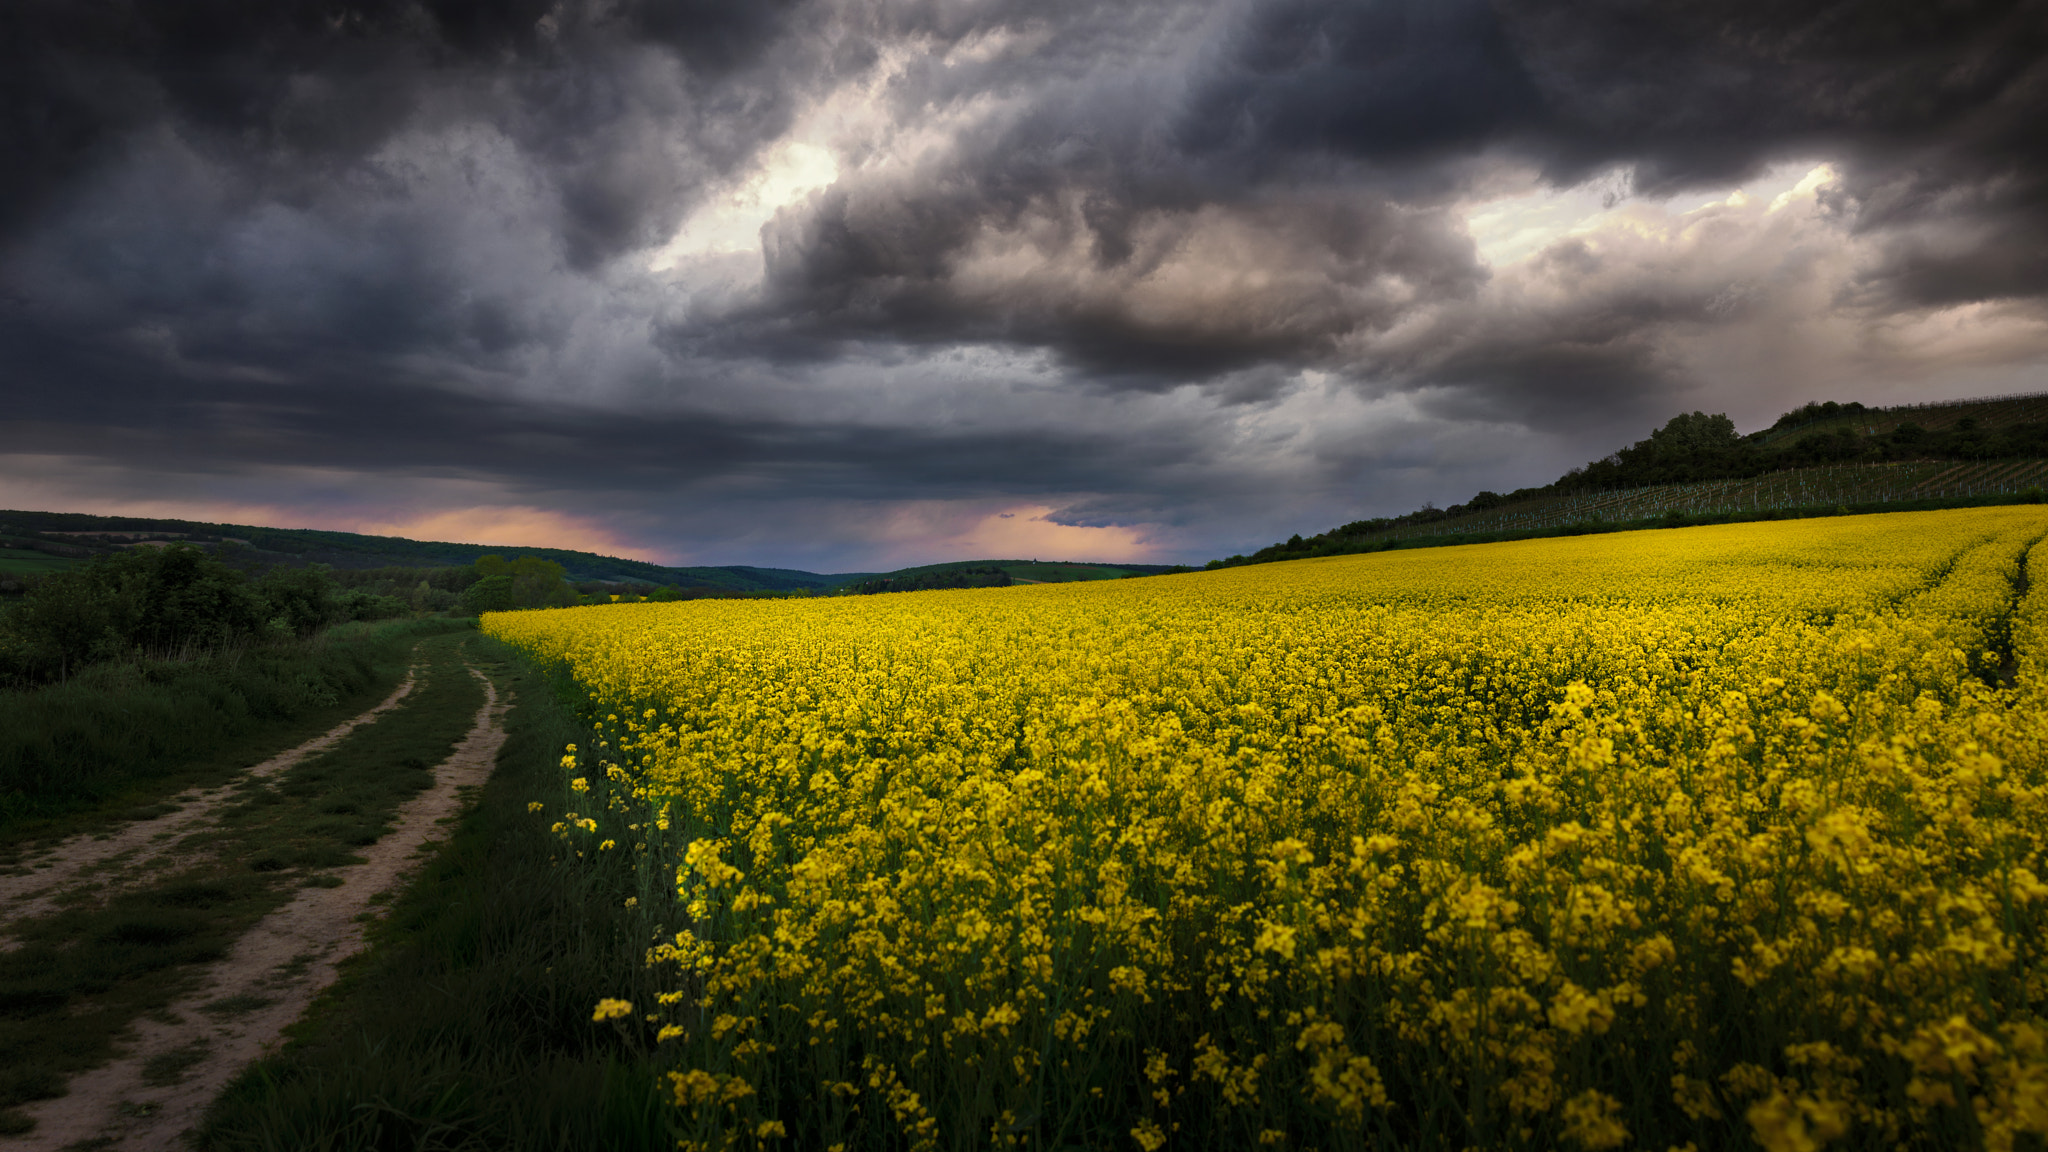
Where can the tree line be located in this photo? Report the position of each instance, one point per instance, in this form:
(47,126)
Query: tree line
(167,603)
(987,576)
(180,601)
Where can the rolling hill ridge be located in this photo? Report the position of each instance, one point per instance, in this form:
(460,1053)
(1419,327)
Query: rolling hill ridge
(1817,458)
(38,542)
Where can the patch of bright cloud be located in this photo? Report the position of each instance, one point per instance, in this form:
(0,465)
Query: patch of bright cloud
(1031,533)
(65,484)
(931,532)
(1513,228)
(512,527)
(730,222)
(1809,186)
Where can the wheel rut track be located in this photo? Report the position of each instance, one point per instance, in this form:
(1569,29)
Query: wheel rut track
(56,873)
(272,973)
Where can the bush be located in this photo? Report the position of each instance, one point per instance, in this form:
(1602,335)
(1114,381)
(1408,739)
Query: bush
(302,598)
(367,606)
(177,603)
(490,594)
(170,601)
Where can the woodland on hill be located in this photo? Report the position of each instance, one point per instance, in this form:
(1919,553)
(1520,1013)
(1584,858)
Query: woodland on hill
(1695,447)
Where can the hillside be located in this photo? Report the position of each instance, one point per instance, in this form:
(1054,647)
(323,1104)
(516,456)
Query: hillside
(1697,468)
(32,543)
(42,540)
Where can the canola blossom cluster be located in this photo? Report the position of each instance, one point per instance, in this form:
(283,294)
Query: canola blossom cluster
(1720,837)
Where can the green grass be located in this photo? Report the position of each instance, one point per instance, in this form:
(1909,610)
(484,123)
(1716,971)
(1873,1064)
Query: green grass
(118,738)
(467,1025)
(26,562)
(85,972)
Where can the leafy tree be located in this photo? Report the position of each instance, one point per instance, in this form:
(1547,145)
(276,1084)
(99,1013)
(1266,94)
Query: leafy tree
(360,605)
(981,576)
(1690,446)
(70,620)
(300,600)
(535,583)
(189,599)
(166,600)
(490,594)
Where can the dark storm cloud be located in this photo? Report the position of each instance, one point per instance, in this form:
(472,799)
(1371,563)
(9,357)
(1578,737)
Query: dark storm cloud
(83,398)
(1127,151)
(410,237)
(855,265)
(292,93)
(1932,112)
(1696,93)
(1389,81)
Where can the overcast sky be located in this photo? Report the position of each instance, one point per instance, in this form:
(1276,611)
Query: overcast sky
(853,284)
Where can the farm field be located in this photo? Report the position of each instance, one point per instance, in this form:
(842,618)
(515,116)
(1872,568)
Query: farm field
(23,562)
(1719,837)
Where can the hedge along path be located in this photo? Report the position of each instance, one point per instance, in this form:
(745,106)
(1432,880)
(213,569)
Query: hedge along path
(152,1096)
(106,862)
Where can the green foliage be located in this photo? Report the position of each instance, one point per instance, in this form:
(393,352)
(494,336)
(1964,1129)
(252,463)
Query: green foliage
(1695,446)
(302,599)
(189,599)
(85,972)
(1690,446)
(490,594)
(352,556)
(528,582)
(467,1025)
(360,605)
(71,745)
(1812,413)
(161,601)
(671,593)
(1699,447)
(987,576)
(18,562)
(174,602)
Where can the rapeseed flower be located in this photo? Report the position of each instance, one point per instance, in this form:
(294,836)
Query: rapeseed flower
(1722,836)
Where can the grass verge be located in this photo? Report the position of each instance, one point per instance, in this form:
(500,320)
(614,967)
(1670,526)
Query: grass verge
(467,1024)
(119,952)
(118,735)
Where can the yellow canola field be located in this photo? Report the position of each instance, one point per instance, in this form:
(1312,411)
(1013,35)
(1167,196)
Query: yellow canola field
(1726,836)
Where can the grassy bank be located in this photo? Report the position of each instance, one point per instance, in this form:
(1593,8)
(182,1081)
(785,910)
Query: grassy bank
(136,727)
(80,975)
(468,1023)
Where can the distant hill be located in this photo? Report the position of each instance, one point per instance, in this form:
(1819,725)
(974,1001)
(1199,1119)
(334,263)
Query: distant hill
(1043,571)
(36,542)
(1698,469)
(70,536)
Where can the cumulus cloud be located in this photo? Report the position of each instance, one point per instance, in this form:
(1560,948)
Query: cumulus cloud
(842,283)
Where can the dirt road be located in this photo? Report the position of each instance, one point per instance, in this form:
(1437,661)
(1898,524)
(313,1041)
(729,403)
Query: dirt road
(153,1094)
(87,863)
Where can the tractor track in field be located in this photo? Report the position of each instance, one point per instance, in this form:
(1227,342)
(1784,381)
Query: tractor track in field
(90,864)
(155,1091)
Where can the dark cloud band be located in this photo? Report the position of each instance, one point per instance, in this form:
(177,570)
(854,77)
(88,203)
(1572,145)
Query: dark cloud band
(1161,261)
